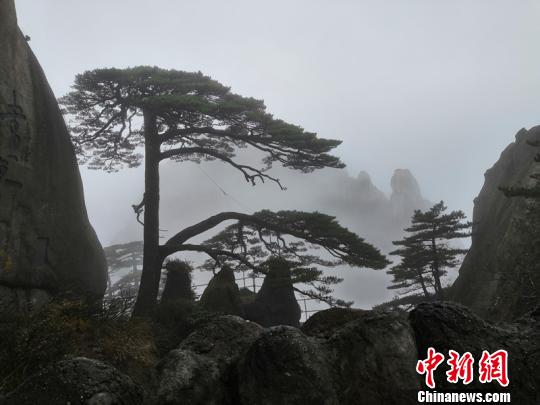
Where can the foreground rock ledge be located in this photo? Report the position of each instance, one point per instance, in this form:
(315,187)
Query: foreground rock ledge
(341,356)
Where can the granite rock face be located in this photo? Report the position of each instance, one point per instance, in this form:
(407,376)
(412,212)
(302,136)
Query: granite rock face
(77,381)
(284,366)
(374,358)
(46,240)
(448,326)
(202,370)
(487,282)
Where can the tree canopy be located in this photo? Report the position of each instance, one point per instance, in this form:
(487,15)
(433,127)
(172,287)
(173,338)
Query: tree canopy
(413,272)
(196,118)
(426,246)
(120,257)
(295,236)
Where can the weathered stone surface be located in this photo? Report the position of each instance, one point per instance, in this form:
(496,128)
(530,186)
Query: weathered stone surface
(222,294)
(325,323)
(448,326)
(46,241)
(77,381)
(374,360)
(487,282)
(18,300)
(203,369)
(189,378)
(275,303)
(284,366)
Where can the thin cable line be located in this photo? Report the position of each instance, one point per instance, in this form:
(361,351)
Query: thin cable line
(225,193)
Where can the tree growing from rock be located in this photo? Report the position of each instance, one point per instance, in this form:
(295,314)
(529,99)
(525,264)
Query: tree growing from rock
(120,116)
(427,246)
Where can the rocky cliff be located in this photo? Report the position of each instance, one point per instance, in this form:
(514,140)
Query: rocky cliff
(46,241)
(487,280)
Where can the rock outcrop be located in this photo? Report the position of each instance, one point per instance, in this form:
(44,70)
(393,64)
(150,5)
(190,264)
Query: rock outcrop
(275,303)
(203,368)
(406,197)
(378,350)
(487,281)
(222,294)
(448,326)
(78,381)
(286,358)
(46,241)
(345,357)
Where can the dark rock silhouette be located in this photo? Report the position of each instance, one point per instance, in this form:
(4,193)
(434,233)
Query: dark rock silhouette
(343,356)
(448,326)
(202,369)
(78,381)
(378,350)
(222,294)
(46,241)
(487,282)
(325,323)
(283,366)
(178,283)
(275,303)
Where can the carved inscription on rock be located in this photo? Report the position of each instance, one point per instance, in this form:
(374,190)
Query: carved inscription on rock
(15,137)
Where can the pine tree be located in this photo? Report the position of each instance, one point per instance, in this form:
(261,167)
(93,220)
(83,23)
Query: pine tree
(120,257)
(294,236)
(116,114)
(427,244)
(413,272)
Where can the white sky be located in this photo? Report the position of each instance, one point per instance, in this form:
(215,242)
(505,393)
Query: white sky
(439,87)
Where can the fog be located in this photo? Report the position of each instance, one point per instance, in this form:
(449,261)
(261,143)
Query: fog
(439,88)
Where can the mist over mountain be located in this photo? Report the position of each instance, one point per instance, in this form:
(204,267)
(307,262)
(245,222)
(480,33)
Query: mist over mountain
(192,192)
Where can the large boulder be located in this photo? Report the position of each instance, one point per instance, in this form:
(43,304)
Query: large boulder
(487,281)
(373,358)
(203,368)
(46,241)
(275,303)
(325,323)
(449,326)
(77,381)
(284,366)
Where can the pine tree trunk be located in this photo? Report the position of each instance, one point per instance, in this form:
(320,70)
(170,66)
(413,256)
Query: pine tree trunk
(151,271)
(423,284)
(436,272)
